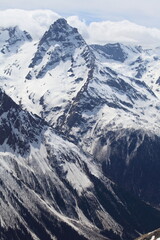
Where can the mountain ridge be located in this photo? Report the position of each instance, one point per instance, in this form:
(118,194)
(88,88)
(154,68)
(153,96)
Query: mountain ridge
(81,185)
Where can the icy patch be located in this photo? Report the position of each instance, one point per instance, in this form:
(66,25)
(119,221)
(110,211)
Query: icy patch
(76,177)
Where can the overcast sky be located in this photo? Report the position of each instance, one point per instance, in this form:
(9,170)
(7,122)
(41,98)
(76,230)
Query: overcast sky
(99,21)
(144,12)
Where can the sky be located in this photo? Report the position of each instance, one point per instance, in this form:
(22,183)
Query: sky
(99,21)
(143,12)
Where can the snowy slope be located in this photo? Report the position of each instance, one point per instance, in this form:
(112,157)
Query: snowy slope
(39,174)
(132,61)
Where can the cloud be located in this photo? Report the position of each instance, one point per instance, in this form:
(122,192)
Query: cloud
(36,22)
(145,12)
(80,25)
(120,31)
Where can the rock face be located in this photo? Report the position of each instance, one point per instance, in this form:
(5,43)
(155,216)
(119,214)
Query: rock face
(131,159)
(85,161)
(18,127)
(155,235)
(111,51)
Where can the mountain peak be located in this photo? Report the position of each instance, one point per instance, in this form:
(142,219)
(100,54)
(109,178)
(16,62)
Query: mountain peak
(62,25)
(59,31)
(60,22)
(59,44)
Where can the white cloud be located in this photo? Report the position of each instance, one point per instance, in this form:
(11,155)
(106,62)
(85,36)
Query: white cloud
(145,12)
(80,24)
(121,31)
(36,22)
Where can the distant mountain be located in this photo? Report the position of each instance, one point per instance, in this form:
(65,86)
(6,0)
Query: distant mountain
(111,51)
(80,137)
(12,38)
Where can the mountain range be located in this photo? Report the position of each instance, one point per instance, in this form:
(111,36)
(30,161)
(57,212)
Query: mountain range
(80,137)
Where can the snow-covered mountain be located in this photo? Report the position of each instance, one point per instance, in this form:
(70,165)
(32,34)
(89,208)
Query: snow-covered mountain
(50,190)
(80,140)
